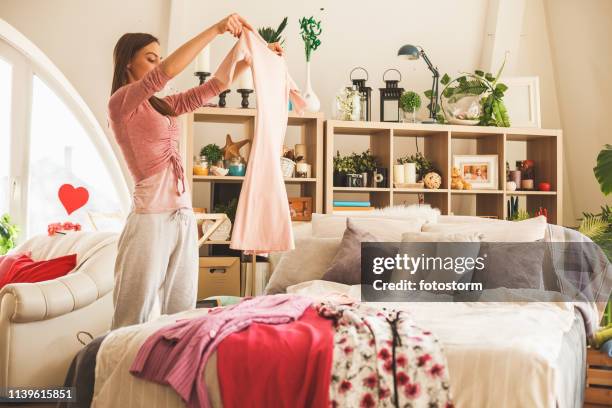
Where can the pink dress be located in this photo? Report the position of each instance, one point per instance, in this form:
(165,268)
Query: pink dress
(263,221)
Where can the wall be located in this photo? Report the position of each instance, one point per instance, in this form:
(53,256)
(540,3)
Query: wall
(79,36)
(580,35)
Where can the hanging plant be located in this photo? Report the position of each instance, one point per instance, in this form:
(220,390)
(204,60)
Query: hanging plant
(310,30)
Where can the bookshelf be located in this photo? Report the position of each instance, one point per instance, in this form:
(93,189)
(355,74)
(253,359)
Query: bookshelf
(439,143)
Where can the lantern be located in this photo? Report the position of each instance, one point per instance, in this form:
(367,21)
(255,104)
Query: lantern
(389,98)
(366,93)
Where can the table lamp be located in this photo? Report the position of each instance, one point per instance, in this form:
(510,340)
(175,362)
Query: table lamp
(411,52)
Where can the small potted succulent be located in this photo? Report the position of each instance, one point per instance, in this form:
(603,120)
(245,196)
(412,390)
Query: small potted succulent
(410,102)
(342,167)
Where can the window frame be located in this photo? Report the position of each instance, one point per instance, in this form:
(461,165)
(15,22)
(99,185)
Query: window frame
(27,60)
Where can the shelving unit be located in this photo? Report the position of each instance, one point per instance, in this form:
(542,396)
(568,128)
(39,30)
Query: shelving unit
(311,134)
(439,144)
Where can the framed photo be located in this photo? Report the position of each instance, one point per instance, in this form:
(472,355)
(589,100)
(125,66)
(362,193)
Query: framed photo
(480,170)
(522,100)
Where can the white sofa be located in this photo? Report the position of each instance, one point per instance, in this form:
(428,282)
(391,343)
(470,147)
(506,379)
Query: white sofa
(39,322)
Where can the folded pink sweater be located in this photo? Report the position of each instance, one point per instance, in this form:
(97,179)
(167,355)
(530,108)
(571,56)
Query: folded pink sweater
(176,355)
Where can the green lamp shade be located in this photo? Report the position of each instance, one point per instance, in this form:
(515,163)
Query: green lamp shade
(408,52)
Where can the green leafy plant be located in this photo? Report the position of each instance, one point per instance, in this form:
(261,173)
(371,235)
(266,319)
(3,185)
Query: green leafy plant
(364,162)
(212,152)
(485,85)
(423,165)
(271,35)
(410,101)
(310,30)
(8,234)
(603,169)
(228,208)
(520,215)
(343,164)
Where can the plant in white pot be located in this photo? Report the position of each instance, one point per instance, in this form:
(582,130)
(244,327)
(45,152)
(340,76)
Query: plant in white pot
(410,102)
(310,30)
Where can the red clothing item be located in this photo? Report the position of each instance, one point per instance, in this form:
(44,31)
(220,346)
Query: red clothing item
(286,365)
(27,270)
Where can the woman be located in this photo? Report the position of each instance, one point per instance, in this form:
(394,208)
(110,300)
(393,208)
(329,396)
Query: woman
(157,258)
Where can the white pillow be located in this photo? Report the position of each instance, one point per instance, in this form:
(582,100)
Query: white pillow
(398,212)
(308,261)
(530,230)
(463,219)
(384,229)
(442,237)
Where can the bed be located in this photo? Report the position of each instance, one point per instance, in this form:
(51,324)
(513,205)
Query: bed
(499,354)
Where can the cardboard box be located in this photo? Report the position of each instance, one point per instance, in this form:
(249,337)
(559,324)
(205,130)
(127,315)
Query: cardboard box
(219,276)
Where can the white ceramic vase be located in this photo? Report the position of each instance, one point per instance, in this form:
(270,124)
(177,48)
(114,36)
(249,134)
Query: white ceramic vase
(313,104)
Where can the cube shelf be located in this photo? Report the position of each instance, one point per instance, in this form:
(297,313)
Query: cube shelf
(439,143)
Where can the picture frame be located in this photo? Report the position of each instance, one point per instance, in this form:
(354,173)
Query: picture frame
(522,100)
(479,170)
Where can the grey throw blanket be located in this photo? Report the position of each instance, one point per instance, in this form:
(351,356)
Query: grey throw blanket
(82,375)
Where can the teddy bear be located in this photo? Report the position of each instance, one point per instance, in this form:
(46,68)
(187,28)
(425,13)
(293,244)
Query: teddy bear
(457,182)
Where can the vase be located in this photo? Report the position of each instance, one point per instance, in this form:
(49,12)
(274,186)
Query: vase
(410,173)
(364,179)
(398,173)
(410,117)
(312,101)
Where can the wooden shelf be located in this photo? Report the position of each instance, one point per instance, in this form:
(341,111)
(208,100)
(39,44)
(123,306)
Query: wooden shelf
(388,141)
(526,193)
(310,133)
(240,179)
(361,189)
(476,192)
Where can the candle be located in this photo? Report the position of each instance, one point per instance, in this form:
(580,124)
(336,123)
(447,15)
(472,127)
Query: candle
(410,173)
(245,80)
(203,60)
(398,173)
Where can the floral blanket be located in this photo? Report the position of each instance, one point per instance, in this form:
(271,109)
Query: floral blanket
(382,359)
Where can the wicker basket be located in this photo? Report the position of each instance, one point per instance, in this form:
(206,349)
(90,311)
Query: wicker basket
(287,167)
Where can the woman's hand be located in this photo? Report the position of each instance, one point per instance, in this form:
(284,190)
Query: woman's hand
(276,48)
(233,23)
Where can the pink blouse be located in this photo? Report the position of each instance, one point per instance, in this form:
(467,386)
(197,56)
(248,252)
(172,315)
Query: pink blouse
(149,141)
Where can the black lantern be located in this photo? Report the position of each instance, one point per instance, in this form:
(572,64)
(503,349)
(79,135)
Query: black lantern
(366,93)
(390,96)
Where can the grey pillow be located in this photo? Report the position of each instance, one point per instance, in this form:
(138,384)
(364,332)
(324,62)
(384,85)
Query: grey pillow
(346,265)
(513,265)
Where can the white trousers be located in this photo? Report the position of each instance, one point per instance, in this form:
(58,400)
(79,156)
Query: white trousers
(157,266)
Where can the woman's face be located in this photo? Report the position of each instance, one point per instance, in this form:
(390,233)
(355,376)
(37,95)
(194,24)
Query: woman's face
(144,61)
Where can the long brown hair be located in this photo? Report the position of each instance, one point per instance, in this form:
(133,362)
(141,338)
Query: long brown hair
(125,49)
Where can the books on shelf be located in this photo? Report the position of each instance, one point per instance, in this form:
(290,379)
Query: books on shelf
(351,203)
(352,208)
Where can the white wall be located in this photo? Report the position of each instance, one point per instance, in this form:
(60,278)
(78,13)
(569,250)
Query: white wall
(79,36)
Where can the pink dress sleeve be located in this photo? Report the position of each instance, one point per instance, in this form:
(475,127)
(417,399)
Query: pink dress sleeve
(194,98)
(127,98)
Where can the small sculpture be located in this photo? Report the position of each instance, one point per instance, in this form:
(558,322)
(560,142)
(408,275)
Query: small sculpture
(457,182)
(432,180)
(232,149)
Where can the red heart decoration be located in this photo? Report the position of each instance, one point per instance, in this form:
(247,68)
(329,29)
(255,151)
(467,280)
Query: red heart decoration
(72,198)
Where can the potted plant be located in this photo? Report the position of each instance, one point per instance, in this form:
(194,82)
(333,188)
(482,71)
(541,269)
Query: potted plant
(342,167)
(410,102)
(271,35)
(212,154)
(423,165)
(365,164)
(8,234)
(310,30)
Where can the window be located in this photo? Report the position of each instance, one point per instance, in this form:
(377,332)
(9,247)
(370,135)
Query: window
(5,128)
(61,152)
(48,137)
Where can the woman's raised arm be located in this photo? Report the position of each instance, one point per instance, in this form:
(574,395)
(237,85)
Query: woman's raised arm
(182,57)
